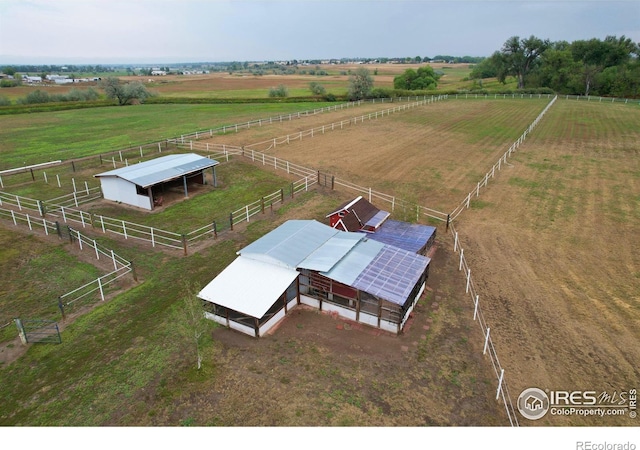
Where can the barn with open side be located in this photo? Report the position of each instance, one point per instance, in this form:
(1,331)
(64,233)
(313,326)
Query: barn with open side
(306,262)
(360,215)
(142,184)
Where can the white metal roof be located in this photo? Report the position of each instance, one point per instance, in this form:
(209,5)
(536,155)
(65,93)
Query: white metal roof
(248,286)
(161,169)
(290,243)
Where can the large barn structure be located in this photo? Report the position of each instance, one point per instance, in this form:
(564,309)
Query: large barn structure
(304,262)
(359,215)
(143,184)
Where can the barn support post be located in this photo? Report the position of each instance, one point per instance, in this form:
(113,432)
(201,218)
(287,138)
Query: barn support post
(284,300)
(379,312)
(256,327)
(358,306)
(184,183)
(298,290)
(184,244)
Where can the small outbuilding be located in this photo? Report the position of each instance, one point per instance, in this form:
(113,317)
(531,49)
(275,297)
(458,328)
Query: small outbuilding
(142,184)
(306,262)
(359,215)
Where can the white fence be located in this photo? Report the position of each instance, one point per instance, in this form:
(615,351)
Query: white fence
(498,165)
(121,267)
(502,390)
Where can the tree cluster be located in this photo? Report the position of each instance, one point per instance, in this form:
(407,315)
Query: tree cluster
(417,80)
(124,93)
(609,67)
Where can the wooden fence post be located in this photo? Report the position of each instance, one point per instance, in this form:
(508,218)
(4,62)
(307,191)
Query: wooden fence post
(231,220)
(61,307)
(184,244)
(215,230)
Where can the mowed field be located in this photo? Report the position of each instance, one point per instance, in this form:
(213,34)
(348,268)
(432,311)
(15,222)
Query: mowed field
(555,250)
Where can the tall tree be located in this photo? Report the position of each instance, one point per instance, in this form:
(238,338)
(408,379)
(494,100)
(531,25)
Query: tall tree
(520,56)
(124,93)
(360,84)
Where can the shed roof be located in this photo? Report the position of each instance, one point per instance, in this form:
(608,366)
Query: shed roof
(248,286)
(161,169)
(360,213)
(409,236)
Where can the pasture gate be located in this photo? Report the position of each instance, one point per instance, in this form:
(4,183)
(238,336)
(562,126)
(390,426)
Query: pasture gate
(38,331)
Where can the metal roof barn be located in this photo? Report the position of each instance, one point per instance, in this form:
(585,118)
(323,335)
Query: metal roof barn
(309,252)
(134,184)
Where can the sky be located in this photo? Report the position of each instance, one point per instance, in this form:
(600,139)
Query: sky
(175,31)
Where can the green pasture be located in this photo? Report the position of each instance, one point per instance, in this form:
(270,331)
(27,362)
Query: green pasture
(41,137)
(34,275)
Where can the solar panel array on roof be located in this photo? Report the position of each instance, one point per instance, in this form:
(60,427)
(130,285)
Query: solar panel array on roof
(161,169)
(408,236)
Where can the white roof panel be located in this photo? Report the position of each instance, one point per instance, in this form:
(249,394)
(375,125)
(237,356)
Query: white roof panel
(161,169)
(292,242)
(248,286)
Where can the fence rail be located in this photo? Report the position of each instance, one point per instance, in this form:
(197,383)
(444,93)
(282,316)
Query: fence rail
(498,165)
(489,348)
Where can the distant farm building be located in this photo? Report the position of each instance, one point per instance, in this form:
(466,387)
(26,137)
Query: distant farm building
(143,184)
(304,262)
(360,215)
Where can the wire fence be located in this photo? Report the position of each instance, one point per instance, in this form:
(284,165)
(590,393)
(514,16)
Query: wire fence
(498,165)
(502,391)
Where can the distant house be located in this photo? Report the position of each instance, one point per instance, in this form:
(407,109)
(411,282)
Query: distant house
(31,79)
(142,184)
(360,215)
(304,262)
(158,72)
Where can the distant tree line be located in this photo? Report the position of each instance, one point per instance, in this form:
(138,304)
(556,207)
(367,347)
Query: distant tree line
(609,67)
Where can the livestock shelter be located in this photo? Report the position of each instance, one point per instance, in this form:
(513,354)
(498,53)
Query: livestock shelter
(304,262)
(142,184)
(360,215)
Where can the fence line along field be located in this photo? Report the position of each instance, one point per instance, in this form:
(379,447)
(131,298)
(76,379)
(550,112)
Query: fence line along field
(429,155)
(555,245)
